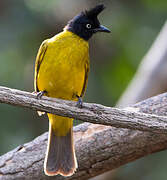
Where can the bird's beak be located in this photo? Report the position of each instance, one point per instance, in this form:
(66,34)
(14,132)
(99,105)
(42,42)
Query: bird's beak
(102,29)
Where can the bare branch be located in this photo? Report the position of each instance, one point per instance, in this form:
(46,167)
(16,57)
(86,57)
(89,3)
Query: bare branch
(94,113)
(99,148)
(150,78)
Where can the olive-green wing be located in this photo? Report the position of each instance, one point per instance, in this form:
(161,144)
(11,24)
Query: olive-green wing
(39,59)
(87,67)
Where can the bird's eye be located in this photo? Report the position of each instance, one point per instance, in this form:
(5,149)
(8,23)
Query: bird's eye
(88,26)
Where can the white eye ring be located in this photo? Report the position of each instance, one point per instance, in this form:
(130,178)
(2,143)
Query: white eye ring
(88,26)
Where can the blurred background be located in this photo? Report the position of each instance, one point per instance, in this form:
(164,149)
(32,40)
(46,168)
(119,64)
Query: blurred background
(24,24)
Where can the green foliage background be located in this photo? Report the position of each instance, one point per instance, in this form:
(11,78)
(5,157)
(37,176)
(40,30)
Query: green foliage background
(24,24)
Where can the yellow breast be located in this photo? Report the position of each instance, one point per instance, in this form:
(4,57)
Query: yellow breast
(62,70)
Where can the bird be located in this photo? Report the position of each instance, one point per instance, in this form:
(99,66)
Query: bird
(61,71)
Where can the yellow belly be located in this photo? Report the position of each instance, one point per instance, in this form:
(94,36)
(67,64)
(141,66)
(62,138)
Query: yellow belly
(61,80)
(62,70)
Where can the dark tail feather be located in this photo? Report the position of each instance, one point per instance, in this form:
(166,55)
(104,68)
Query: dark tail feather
(60,157)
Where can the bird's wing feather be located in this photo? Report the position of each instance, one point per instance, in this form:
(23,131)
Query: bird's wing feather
(87,64)
(39,59)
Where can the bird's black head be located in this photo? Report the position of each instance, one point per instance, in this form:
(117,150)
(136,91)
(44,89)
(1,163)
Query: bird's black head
(86,23)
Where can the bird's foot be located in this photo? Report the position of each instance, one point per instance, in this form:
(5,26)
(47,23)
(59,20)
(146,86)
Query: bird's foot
(40,94)
(79,102)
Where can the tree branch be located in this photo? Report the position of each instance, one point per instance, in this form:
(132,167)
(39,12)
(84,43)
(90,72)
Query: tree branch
(99,148)
(150,78)
(94,113)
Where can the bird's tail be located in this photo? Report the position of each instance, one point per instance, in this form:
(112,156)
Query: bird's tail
(60,156)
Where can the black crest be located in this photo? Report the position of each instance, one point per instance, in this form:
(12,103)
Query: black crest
(94,12)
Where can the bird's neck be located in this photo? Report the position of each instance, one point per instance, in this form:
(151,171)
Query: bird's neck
(76,31)
(70,33)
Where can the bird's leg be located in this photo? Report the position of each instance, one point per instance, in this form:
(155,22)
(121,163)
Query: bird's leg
(40,94)
(79,102)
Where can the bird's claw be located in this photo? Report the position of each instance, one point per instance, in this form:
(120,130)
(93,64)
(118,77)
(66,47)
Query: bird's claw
(79,102)
(40,94)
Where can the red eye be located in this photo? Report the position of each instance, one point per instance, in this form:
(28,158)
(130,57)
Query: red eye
(88,26)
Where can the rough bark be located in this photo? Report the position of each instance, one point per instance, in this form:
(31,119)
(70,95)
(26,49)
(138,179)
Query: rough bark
(98,114)
(99,148)
(150,78)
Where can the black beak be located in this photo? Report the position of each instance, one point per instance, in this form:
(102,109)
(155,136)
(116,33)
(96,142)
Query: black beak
(102,29)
